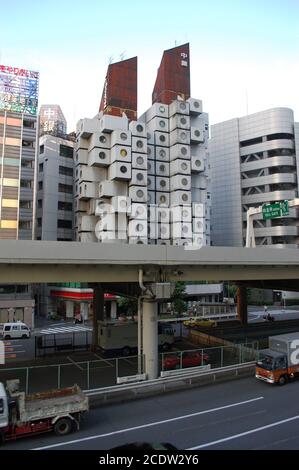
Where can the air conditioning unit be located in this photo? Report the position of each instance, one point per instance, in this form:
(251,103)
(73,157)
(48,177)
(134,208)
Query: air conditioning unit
(197,164)
(137,228)
(197,135)
(161,139)
(180,197)
(151,182)
(151,197)
(150,151)
(181,213)
(162,169)
(112,188)
(180,182)
(121,138)
(180,151)
(138,211)
(180,167)
(120,171)
(137,128)
(179,136)
(81,157)
(158,124)
(162,184)
(110,123)
(162,154)
(139,161)
(181,230)
(99,157)
(139,144)
(179,121)
(139,178)
(179,107)
(121,204)
(157,110)
(121,153)
(99,140)
(195,106)
(162,199)
(198,210)
(138,193)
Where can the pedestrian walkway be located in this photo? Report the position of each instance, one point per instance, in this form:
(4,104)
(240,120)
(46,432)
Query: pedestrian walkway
(65,329)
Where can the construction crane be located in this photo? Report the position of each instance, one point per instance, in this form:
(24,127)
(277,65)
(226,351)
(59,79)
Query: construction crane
(250,238)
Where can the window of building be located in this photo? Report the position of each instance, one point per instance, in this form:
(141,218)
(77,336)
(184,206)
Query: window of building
(64,223)
(12,161)
(66,151)
(65,188)
(64,170)
(10,182)
(280,135)
(39,222)
(12,141)
(40,185)
(26,184)
(41,149)
(27,163)
(25,225)
(41,167)
(25,204)
(14,122)
(28,123)
(10,203)
(245,143)
(64,240)
(65,206)
(8,223)
(40,203)
(27,143)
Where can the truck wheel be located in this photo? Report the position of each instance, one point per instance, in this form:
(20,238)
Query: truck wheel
(282,380)
(7,337)
(24,336)
(126,351)
(63,427)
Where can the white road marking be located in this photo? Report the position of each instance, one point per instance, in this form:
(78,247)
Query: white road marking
(65,329)
(156,423)
(246,433)
(75,363)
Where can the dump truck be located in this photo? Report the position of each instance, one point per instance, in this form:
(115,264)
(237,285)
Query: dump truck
(24,415)
(280,362)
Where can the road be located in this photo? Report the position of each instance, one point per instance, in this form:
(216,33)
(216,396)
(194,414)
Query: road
(243,414)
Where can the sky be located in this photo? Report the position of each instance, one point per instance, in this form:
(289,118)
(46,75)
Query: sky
(244,54)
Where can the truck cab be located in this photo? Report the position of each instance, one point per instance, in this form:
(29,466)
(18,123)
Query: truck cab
(272,367)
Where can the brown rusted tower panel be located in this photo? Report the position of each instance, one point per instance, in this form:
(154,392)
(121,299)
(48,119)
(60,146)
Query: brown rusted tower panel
(120,89)
(173,76)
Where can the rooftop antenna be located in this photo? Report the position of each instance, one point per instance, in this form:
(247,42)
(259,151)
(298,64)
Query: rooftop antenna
(122,55)
(110,59)
(175,43)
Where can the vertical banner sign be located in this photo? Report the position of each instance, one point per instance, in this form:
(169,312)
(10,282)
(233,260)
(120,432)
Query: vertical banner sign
(18,90)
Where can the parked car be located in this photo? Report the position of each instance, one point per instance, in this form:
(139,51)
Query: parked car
(189,359)
(14,330)
(200,323)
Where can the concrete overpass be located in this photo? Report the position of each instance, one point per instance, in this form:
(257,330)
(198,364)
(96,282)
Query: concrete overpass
(122,265)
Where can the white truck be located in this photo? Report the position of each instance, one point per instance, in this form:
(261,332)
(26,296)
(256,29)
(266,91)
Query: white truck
(24,415)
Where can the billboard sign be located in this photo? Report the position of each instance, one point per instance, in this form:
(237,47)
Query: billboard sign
(18,90)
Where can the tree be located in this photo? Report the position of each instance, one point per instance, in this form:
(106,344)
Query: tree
(179,305)
(127,305)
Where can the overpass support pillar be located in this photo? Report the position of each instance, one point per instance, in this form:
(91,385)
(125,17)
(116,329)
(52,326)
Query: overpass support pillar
(242,304)
(150,337)
(98,312)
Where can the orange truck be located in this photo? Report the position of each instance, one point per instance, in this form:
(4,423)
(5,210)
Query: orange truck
(280,362)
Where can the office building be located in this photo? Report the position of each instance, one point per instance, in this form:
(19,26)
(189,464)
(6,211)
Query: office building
(52,120)
(254,160)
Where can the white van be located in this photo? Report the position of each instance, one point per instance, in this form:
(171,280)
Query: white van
(14,330)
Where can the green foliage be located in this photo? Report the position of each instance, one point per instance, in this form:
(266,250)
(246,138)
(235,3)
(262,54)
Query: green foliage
(177,299)
(127,306)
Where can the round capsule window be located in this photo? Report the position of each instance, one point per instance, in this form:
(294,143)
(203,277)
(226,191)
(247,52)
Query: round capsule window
(139,160)
(139,227)
(148,136)
(139,128)
(183,121)
(162,168)
(139,144)
(123,136)
(162,153)
(123,169)
(185,197)
(162,138)
(139,176)
(123,153)
(162,109)
(183,151)
(183,135)
(184,181)
(140,193)
(197,133)
(196,104)
(102,155)
(185,213)
(198,163)
(122,204)
(149,150)
(184,166)
(162,183)
(162,123)
(185,229)
(102,139)
(162,199)
(163,230)
(182,106)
